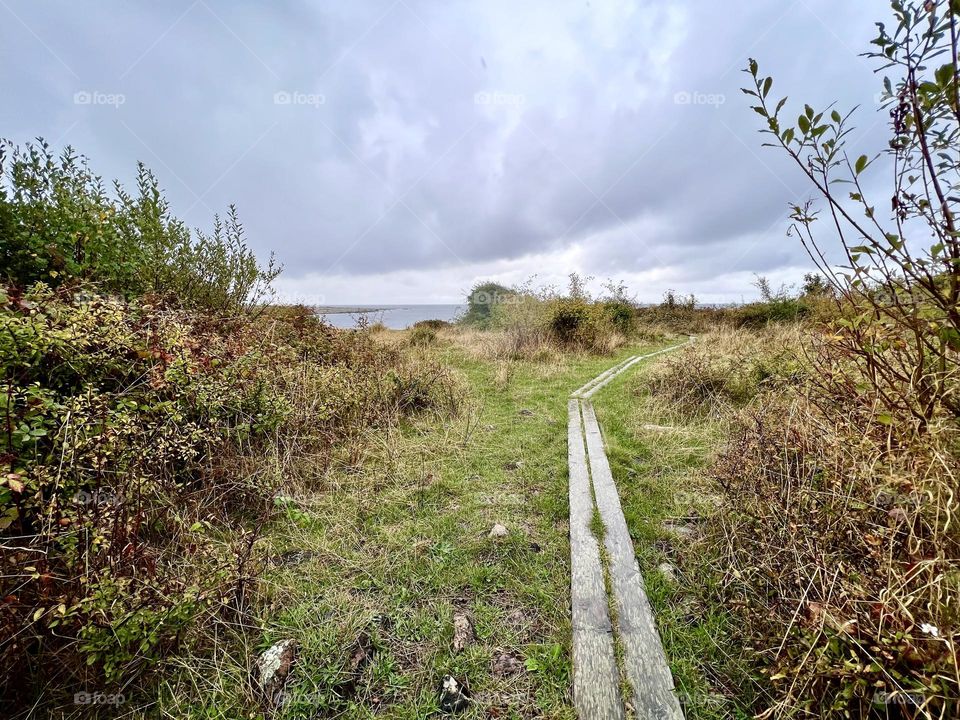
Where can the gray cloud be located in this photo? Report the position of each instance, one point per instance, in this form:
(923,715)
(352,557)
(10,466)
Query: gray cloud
(378,139)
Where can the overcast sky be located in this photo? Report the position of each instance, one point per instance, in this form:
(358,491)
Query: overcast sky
(397,151)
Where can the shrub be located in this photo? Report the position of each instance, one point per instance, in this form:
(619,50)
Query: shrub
(727,368)
(137,438)
(620,315)
(836,550)
(431,324)
(482,300)
(422,335)
(774,310)
(116,413)
(60,226)
(569,320)
(898,295)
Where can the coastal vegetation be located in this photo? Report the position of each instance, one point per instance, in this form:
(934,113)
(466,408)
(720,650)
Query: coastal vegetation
(193,476)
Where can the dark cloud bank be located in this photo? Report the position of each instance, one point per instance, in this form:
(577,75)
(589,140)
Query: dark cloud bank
(398,151)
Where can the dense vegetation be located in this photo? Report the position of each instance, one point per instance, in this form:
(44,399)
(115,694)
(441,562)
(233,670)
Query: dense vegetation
(152,413)
(168,435)
(835,543)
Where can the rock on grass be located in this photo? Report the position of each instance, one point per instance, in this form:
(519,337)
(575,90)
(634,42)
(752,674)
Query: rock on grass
(462,631)
(272,670)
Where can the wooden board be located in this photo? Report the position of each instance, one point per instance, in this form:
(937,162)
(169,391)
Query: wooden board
(644,659)
(595,676)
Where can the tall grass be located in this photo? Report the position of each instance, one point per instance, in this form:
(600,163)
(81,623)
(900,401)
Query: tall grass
(836,543)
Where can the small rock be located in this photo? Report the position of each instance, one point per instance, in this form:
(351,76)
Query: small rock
(454,696)
(505,665)
(515,465)
(273,668)
(462,631)
(535,547)
(526,413)
(498,531)
(668,571)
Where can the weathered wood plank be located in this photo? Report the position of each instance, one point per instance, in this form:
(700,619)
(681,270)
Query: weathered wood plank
(603,376)
(595,675)
(646,664)
(604,379)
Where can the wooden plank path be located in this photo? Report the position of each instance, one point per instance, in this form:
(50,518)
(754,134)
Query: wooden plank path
(596,677)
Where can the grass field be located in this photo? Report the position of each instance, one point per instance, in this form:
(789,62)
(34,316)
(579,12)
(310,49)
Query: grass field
(369,568)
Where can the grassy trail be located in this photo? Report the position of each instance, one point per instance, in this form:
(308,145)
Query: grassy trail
(370,568)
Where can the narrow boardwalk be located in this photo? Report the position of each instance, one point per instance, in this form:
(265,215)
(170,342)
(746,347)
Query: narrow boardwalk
(596,677)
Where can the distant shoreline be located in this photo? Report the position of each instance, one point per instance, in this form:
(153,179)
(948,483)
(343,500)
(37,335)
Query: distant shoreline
(354,309)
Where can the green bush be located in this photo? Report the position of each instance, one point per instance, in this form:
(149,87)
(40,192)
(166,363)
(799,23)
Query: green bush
(123,419)
(482,300)
(579,324)
(137,441)
(569,320)
(620,315)
(60,226)
(774,310)
(422,335)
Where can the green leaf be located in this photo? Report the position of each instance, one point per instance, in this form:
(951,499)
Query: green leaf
(753,67)
(861,164)
(835,116)
(885,419)
(767,84)
(804,124)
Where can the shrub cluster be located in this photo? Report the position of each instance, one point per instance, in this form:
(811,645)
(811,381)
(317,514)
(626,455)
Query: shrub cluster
(132,465)
(60,225)
(150,419)
(835,545)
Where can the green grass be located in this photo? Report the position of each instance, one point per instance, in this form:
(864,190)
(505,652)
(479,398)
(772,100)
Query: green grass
(661,477)
(400,544)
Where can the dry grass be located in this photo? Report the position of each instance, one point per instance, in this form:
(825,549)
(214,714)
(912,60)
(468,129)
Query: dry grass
(836,543)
